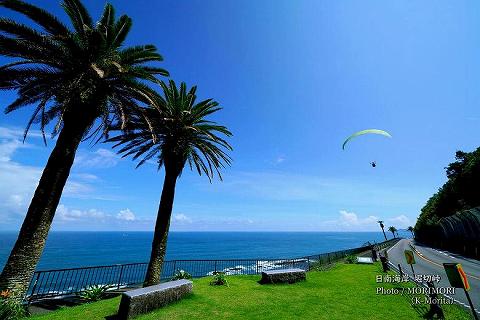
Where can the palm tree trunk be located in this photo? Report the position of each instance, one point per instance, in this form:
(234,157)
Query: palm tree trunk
(24,257)
(384,234)
(159,243)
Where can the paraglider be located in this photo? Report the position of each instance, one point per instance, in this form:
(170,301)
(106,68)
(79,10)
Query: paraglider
(368,131)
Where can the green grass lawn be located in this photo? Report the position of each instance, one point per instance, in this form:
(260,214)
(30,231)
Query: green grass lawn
(346,291)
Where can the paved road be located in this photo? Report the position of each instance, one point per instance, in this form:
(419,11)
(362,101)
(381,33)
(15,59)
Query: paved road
(429,261)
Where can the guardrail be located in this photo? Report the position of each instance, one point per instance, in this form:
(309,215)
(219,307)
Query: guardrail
(64,282)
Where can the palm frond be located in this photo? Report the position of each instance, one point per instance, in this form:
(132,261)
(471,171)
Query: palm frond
(17,48)
(46,20)
(122,28)
(176,132)
(140,54)
(79,16)
(82,71)
(108,17)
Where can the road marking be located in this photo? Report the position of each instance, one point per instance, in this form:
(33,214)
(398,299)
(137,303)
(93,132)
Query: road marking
(393,246)
(445,295)
(444,253)
(428,260)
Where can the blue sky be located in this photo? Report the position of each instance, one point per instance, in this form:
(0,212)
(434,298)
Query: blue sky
(295,78)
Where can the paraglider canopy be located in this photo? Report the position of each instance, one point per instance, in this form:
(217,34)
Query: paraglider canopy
(368,131)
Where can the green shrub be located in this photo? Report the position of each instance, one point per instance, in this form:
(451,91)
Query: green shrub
(319,266)
(181,274)
(10,307)
(93,293)
(351,259)
(219,279)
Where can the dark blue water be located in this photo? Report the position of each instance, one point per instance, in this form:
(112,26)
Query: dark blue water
(77,249)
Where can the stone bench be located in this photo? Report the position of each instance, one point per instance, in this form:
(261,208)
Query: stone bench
(283,276)
(143,300)
(364,260)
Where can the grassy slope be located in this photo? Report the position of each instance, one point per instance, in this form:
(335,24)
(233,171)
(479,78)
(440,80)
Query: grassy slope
(345,292)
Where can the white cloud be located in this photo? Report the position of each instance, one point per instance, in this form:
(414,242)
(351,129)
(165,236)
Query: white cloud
(77,189)
(350,219)
(280,159)
(9,133)
(101,158)
(65,214)
(18,181)
(126,215)
(16,133)
(85,176)
(7,148)
(181,218)
(285,186)
(401,221)
(182,222)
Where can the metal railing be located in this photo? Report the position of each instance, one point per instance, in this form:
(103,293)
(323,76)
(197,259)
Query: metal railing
(64,282)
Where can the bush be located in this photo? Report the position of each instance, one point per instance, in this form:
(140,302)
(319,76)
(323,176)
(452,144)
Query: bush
(10,307)
(181,274)
(219,279)
(93,293)
(319,266)
(351,259)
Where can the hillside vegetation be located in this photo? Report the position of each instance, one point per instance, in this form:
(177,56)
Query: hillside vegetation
(451,218)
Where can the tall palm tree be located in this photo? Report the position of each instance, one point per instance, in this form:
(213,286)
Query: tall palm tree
(380,222)
(392,230)
(181,134)
(411,229)
(83,78)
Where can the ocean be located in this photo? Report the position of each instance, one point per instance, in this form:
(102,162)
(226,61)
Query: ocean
(79,249)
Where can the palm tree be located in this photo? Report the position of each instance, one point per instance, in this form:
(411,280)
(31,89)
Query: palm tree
(81,77)
(380,222)
(411,229)
(392,230)
(181,134)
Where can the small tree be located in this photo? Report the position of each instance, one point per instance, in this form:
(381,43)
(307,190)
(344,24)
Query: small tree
(410,228)
(392,230)
(380,222)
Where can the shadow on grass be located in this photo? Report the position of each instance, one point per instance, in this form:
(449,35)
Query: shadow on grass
(49,305)
(422,310)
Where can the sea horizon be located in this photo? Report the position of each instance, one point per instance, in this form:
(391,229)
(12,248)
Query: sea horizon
(205,231)
(71,249)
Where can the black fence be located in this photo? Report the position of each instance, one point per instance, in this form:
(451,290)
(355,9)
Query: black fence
(64,282)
